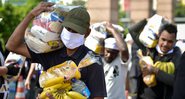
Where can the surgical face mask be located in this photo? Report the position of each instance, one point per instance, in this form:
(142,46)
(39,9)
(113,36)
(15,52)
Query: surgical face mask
(71,40)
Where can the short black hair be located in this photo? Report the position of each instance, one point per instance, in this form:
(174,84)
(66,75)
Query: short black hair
(169,27)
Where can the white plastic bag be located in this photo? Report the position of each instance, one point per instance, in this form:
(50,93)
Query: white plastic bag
(14,58)
(149,35)
(97,36)
(44,35)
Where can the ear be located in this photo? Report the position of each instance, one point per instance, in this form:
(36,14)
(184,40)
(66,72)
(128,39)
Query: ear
(88,32)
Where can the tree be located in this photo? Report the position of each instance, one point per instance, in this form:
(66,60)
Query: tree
(12,15)
(10,20)
(180,9)
(77,3)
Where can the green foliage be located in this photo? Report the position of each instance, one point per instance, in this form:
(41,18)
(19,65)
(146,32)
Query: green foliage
(9,22)
(122,14)
(2,42)
(180,10)
(12,15)
(77,3)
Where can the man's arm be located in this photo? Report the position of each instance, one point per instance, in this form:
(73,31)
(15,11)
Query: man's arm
(166,78)
(135,31)
(119,41)
(29,76)
(161,76)
(16,41)
(3,70)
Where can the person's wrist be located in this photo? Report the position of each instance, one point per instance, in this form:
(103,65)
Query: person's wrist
(113,31)
(156,70)
(5,70)
(32,15)
(153,70)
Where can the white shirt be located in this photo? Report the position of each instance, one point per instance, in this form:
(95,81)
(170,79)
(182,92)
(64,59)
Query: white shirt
(181,45)
(115,78)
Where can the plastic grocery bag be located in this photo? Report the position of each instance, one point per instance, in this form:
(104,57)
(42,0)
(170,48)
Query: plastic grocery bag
(97,36)
(150,79)
(44,34)
(67,70)
(149,35)
(14,58)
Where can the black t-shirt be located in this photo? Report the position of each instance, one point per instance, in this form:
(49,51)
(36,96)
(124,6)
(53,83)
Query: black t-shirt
(179,84)
(1,82)
(164,87)
(92,75)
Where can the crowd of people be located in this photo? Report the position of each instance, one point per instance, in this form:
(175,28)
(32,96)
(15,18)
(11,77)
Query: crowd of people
(116,73)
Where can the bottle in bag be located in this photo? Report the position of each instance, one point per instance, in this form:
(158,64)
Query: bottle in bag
(80,86)
(150,79)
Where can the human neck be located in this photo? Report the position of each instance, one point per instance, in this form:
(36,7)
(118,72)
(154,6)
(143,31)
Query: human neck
(71,51)
(162,53)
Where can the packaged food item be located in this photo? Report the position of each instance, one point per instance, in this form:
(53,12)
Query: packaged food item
(66,70)
(38,45)
(150,79)
(95,41)
(97,36)
(149,35)
(80,87)
(57,80)
(44,34)
(14,58)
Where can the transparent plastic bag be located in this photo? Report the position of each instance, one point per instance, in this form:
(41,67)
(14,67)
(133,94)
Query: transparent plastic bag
(68,70)
(97,36)
(14,58)
(46,29)
(149,35)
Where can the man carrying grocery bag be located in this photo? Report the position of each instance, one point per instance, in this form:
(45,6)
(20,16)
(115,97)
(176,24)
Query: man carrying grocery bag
(72,56)
(158,57)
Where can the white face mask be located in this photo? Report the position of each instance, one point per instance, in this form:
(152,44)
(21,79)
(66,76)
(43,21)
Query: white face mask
(71,40)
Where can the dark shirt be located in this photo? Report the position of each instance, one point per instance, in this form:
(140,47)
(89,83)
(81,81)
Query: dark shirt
(1,82)
(179,85)
(92,75)
(164,87)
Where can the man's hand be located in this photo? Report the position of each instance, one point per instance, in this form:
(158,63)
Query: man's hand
(152,69)
(41,7)
(149,70)
(109,27)
(12,69)
(48,95)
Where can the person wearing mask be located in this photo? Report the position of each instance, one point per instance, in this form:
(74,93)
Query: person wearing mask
(115,61)
(165,51)
(75,30)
